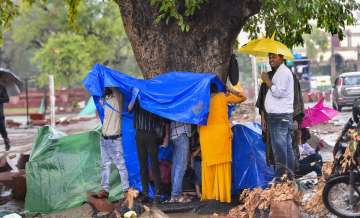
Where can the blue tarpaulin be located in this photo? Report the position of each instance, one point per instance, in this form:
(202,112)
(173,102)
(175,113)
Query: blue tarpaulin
(249,168)
(183,97)
(180,96)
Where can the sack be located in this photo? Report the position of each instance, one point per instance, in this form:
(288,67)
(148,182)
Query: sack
(284,209)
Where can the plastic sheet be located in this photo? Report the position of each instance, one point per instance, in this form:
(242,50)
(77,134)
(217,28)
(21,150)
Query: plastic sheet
(179,96)
(62,169)
(89,109)
(249,168)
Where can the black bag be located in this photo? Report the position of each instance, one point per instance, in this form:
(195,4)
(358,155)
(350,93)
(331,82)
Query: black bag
(233,72)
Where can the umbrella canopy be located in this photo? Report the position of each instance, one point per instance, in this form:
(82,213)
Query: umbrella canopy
(318,114)
(11,82)
(248,48)
(263,46)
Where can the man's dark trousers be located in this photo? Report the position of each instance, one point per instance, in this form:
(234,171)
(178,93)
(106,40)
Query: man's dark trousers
(147,144)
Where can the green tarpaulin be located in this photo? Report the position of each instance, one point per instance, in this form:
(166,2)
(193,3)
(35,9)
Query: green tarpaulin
(62,169)
(42,108)
(89,109)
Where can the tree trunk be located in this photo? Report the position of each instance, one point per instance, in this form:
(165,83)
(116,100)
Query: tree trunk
(207,47)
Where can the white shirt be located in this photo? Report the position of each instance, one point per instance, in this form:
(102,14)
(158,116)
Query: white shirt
(305,150)
(280,97)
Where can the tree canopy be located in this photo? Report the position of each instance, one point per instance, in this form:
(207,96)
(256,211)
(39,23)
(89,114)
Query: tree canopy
(289,19)
(193,35)
(317,41)
(54,47)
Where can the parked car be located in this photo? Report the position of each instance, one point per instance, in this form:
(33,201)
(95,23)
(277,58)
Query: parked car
(346,89)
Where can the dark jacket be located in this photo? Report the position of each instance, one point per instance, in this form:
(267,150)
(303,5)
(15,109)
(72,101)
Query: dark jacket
(4,98)
(298,115)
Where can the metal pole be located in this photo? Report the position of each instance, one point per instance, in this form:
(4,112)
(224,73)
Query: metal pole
(254,73)
(27,101)
(332,62)
(255,77)
(52,100)
(45,100)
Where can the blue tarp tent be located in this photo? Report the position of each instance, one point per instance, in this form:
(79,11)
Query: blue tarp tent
(180,96)
(183,97)
(249,168)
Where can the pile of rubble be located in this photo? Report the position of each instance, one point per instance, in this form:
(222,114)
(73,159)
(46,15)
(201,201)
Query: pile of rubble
(12,176)
(275,198)
(283,198)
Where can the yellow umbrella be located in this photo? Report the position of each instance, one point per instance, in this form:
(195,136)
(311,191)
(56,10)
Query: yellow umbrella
(248,48)
(262,47)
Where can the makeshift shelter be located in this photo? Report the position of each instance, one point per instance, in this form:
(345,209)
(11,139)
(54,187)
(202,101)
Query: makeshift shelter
(62,168)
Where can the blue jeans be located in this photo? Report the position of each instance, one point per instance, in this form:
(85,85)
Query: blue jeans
(281,127)
(112,150)
(179,163)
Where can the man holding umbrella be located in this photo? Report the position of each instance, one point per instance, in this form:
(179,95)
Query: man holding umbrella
(10,85)
(278,102)
(279,109)
(4,98)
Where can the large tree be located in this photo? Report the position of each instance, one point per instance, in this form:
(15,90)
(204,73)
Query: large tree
(198,35)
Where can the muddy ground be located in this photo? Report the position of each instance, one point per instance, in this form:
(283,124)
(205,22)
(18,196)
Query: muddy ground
(22,139)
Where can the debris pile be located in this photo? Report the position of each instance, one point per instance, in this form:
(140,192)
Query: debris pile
(327,169)
(256,201)
(12,175)
(260,200)
(314,205)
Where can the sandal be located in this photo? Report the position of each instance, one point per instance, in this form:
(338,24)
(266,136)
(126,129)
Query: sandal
(183,199)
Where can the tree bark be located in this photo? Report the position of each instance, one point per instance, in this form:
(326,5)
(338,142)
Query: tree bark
(207,47)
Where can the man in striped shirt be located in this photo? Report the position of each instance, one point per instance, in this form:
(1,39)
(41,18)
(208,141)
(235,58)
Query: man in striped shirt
(151,131)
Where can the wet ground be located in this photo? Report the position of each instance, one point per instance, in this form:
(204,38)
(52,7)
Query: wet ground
(22,139)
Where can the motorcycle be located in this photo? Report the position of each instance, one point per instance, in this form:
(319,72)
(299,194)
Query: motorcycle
(341,194)
(341,145)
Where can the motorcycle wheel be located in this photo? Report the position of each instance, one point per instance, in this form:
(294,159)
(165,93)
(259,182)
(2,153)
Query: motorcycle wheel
(336,196)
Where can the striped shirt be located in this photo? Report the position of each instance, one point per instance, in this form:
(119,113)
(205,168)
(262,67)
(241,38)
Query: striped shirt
(148,122)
